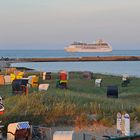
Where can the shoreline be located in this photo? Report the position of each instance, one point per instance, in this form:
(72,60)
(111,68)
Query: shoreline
(71,59)
(76,59)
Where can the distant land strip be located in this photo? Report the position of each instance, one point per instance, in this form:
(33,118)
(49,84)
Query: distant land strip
(76,59)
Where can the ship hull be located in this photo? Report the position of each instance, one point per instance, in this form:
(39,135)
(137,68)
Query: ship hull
(69,50)
(74,49)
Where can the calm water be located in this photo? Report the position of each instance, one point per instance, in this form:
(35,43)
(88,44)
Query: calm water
(117,68)
(61,53)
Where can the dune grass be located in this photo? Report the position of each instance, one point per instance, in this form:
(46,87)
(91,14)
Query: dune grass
(81,104)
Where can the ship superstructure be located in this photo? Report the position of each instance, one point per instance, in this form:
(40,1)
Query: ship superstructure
(99,46)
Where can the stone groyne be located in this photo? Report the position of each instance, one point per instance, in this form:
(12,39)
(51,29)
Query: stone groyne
(76,59)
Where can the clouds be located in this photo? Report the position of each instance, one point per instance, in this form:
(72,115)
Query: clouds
(58,22)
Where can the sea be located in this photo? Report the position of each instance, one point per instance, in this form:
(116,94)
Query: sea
(132,68)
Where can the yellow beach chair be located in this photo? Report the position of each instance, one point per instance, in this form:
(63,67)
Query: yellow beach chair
(33,81)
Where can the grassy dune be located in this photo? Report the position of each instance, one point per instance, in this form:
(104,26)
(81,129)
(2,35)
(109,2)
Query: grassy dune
(81,104)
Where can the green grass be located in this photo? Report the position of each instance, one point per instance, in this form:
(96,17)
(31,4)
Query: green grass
(74,105)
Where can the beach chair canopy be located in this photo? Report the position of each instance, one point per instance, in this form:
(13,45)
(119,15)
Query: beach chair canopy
(64,135)
(16,75)
(19,75)
(125,77)
(112,91)
(0,99)
(63,75)
(7,79)
(98,81)
(1,109)
(43,87)
(87,75)
(19,85)
(12,76)
(19,130)
(33,80)
(2,81)
(1,106)
(46,75)
(12,127)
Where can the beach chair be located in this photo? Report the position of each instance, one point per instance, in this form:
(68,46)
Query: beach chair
(63,80)
(7,79)
(43,87)
(112,91)
(98,82)
(33,81)
(2,81)
(61,84)
(46,75)
(125,80)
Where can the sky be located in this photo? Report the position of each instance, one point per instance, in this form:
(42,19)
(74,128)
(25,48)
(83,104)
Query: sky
(54,24)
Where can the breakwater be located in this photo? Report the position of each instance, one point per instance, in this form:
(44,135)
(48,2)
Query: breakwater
(76,59)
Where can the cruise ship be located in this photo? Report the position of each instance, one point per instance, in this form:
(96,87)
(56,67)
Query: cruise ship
(98,46)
